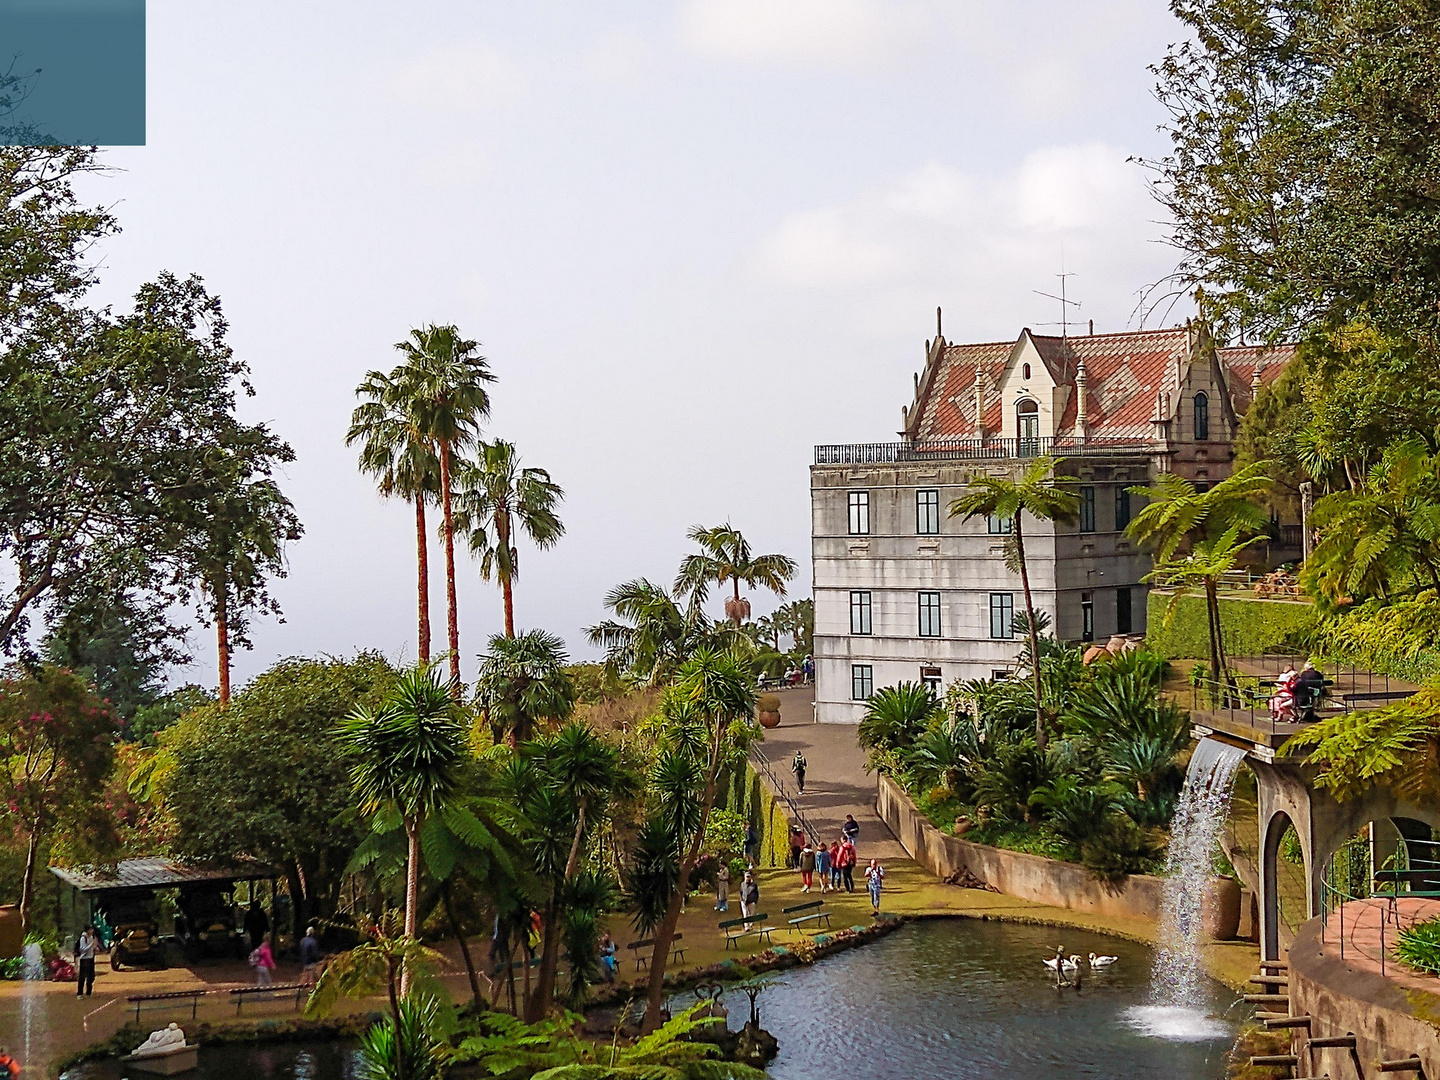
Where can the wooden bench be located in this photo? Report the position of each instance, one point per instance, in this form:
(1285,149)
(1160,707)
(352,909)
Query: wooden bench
(677,952)
(241,993)
(150,1002)
(735,929)
(816,909)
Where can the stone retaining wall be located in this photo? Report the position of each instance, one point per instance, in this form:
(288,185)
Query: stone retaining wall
(1030,877)
(1388,1021)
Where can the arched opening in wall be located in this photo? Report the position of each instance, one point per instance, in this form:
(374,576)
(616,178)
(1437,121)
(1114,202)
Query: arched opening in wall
(1284,898)
(1027,427)
(1241,844)
(1202,416)
(1405,844)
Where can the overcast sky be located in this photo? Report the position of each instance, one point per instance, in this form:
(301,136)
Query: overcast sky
(694,239)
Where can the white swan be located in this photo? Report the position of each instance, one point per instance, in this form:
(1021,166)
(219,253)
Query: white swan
(1068,963)
(1102,961)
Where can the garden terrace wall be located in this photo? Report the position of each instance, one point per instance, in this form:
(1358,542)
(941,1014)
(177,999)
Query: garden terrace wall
(1251,627)
(1030,877)
(1388,1021)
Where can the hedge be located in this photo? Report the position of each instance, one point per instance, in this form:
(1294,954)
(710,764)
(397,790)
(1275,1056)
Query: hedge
(747,795)
(1250,627)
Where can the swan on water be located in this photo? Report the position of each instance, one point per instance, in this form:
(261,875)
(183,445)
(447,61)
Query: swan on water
(1068,963)
(1102,961)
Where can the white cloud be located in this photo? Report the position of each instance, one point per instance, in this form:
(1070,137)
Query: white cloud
(619,58)
(460,77)
(835,34)
(825,248)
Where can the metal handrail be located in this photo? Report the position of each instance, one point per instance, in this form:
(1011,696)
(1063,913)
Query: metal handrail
(1248,696)
(973,450)
(763,763)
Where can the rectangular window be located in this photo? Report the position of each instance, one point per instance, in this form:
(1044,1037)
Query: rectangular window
(859,513)
(927,512)
(1122,507)
(998,675)
(1124,622)
(862,681)
(930,679)
(1087,616)
(1002,615)
(929,614)
(1087,509)
(999,526)
(859,613)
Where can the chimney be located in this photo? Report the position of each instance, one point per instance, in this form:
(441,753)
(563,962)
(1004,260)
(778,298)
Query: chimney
(1092,327)
(1082,385)
(979,404)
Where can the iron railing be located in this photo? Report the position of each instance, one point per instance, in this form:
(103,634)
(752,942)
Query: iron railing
(782,790)
(973,450)
(1351,875)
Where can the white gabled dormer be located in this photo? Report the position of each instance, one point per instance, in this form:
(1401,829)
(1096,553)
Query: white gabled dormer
(1027,388)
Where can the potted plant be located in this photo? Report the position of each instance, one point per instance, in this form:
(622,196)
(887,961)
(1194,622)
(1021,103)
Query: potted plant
(767,706)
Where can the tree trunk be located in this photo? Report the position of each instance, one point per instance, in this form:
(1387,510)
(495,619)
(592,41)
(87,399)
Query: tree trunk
(505,588)
(1232,692)
(1034,636)
(665,932)
(451,615)
(464,945)
(412,891)
(222,640)
(505,570)
(736,617)
(422,559)
(395,1011)
(538,1004)
(27,884)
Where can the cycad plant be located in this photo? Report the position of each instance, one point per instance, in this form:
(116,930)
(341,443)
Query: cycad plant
(895,716)
(1045,498)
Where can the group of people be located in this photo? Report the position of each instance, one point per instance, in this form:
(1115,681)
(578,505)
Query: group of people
(1297,693)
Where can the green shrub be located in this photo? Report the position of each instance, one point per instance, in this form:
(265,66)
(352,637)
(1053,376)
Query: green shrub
(1249,626)
(1419,946)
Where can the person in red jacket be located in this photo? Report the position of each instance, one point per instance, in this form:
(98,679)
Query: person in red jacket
(847,864)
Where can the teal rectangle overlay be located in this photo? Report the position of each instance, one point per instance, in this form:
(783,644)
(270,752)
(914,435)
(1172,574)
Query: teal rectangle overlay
(72,72)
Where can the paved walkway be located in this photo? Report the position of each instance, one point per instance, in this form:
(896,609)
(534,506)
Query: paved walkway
(836,783)
(1362,921)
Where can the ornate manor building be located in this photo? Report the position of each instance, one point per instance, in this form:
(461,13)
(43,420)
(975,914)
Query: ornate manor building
(904,592)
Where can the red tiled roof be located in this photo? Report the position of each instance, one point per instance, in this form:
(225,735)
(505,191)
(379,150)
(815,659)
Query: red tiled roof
(1241,361)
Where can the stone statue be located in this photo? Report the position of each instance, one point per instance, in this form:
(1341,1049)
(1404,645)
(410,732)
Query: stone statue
(164,1041)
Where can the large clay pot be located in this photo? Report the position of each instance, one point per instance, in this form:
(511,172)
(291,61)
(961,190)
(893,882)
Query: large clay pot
(1220,909)
(770,719)
(962,825)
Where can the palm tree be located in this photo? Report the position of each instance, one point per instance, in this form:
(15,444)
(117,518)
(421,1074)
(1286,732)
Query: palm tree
(725,556)
(496,499)
(522,682)
(444,378)
(406,759)
(1384,532)
(1207,562)
(395,451)
(652,634)
(1043,498)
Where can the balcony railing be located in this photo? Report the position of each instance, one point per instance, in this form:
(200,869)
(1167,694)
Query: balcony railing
(973,450)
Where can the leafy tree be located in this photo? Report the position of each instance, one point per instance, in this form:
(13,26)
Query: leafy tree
(444,378)
(523,682)
(497,501)
(725,555)
(119,652)
(1397,745)
(944,755)
(1384,534)
(1176,513)
(163,712)
(57,748)
(1301,177)
(406,759)
(395,450)
(652,635)
(1044,499)
(261,778)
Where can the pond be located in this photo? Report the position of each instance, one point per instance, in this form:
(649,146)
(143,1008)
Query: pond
(963,998)
(953,999)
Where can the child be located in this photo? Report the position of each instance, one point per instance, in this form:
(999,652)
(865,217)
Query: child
(722,887)
(835,866)
(822,866)
(607,957)
(874,876)
(807,867)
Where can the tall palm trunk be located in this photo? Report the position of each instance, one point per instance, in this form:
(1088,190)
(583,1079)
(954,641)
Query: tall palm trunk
(412,891)
(502,534)
(665,932)
(1034,636)
(451,615)
(1231,691)
(222,640)
(422,559)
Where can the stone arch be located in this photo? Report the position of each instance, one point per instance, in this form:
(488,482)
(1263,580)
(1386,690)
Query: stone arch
(1275,828)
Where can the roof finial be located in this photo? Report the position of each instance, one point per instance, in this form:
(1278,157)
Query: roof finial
(937,323)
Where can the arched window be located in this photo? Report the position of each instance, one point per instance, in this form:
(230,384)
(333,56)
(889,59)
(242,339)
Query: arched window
(1027,427)
(1027,371)
(1202,416)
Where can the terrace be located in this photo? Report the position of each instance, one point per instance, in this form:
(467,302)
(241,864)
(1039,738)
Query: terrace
(976,450)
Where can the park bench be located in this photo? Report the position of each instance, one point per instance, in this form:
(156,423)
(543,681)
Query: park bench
(816,911)
(150,1002)
(677,952)
(240,994)
(735,929)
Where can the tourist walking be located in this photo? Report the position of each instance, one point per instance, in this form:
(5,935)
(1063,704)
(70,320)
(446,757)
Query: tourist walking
(606,949)
(807,867)
(798,766)
(847,864)
(835,865)
(797,842)
(85,960)
(752,844)
(822,867)
(749,897)
(874,877)
(851,829)
(722,887)
(309,957)
(263,961)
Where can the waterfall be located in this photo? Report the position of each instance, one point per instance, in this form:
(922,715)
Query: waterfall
(1178,980)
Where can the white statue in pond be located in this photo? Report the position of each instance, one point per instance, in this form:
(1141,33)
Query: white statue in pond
(164,1041)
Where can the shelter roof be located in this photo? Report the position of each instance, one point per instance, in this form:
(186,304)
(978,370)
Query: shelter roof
(160,873)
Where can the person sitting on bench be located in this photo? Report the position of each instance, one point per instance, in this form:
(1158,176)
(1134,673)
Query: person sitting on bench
(1309,691)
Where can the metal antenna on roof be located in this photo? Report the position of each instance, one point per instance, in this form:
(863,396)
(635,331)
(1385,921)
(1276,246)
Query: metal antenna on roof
(1065,305)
